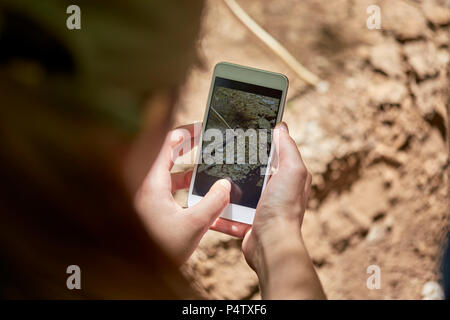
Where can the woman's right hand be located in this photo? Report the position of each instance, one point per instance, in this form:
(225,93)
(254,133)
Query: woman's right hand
(274,246)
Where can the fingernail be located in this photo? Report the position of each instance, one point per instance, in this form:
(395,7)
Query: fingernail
(226,184)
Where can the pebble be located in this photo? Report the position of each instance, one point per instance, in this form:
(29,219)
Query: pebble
(432,291)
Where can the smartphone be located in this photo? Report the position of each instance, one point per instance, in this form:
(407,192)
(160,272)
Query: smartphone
(244,105)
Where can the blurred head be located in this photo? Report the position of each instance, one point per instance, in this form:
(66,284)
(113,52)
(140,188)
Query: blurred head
(83,115)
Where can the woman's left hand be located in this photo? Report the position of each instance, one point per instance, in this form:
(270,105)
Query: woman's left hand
(177,230)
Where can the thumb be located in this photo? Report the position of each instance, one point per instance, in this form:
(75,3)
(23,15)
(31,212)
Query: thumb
(287,159)
(212,204)
(285,147)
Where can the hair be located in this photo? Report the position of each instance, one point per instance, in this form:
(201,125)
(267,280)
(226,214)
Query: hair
(69,99)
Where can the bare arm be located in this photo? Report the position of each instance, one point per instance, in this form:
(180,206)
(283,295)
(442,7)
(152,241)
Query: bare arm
(284,267)
(274,247)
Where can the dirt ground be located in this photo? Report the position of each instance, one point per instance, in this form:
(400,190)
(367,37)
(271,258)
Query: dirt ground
(376,142)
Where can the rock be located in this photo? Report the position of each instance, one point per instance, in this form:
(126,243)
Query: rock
(430,97)
(432,167)
(386,58)
(423,59)
(432,291)
(442,38)
(376,233)
(403,19)
(389,176)
(322,86)
(205,268)
(387,154)
(436,13)
(389,92)
(335,226)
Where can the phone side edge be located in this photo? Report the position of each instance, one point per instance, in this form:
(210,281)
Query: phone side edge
(279,118)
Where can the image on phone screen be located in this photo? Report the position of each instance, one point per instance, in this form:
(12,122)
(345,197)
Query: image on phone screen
(236,107)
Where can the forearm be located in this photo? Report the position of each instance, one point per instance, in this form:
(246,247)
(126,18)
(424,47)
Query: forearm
(284,267)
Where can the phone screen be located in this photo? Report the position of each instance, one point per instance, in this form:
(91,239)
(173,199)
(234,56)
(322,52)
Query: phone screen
(237,139)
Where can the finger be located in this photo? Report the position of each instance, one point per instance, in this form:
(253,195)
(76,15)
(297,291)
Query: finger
(212,204)
(194,129)
(236,192)
(290,162)
(178,142)
(232,228)
(189,134)
(181,180)
(285,146)
(182,148)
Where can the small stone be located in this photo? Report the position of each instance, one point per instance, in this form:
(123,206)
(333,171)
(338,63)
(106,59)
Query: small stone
(322,86)
(422,56)
(376,233)
(432,167)
(442,38)
(388,92)
(388,177)
(389,155)
(386,58)
(403,19)
(430,97)
(437,14)
(432,291)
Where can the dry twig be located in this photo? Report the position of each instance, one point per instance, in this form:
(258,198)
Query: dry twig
(276,47)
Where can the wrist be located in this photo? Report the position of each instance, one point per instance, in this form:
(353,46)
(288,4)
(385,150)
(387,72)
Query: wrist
(283,265)
(279,232)
(275,244)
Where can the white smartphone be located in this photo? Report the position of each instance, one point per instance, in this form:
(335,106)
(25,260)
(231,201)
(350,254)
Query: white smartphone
(244,105)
